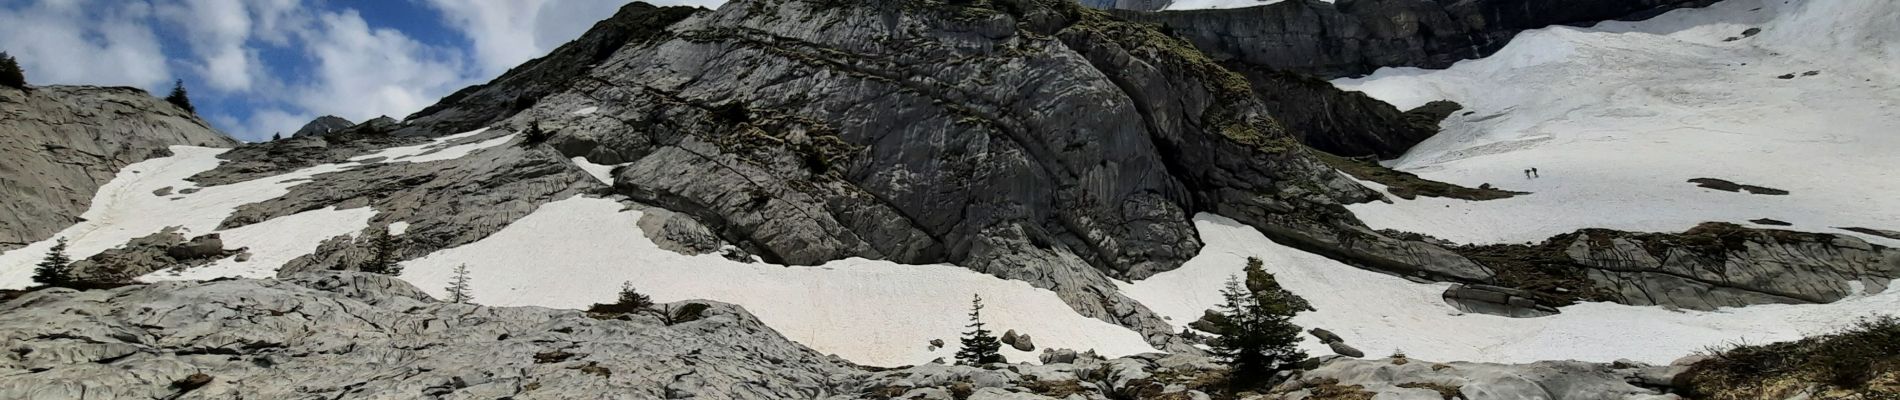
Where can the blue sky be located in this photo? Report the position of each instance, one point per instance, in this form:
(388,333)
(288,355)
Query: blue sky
(257,67)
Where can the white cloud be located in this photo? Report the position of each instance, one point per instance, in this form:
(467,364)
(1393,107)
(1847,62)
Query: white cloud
(216,31)
(347,67)
(363,72)
(507,33)
(85,42)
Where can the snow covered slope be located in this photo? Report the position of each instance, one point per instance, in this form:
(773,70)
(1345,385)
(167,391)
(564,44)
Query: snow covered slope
(1382,314)
(576,252)
(1618,117)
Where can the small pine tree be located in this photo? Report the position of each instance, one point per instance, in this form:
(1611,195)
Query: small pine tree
(1256,334)
(56,269)
(633,298)
(630,301)
(277,136)
(10,73)
(534,135)
(458,286)
(382,258)
(979,347)
(179,98)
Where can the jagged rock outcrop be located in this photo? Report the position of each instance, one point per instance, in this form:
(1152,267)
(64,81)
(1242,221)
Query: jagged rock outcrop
(364,335)
(163,250)
(323,125)
(1712,265)
(62,142)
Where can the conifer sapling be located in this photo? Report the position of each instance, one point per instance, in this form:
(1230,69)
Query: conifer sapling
(458,286)
(979,346)
(56,269)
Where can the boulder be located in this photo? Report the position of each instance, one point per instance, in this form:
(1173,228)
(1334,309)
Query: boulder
(1057,356)
(1325,336)
(1024,343)
(206,246)
(1341,348)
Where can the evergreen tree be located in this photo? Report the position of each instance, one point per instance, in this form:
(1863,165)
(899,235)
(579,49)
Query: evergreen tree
(178,97)
(632,298)
(630,301)
(277,136)
(56,269)
(979,347)
(10,73)
(382,258)
(458,286)
(1256,335)
(535,135)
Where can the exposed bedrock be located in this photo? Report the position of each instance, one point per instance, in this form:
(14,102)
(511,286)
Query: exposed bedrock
(58,144)
(355,335)
(1713,265)
(365,335)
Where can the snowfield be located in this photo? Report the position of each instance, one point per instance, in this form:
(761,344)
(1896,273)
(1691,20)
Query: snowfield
(576,252)
(1383,314)
(1618,117)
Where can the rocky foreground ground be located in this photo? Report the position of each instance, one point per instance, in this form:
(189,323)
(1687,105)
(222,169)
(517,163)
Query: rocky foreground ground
(354,335)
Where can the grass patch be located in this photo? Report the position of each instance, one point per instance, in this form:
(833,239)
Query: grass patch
(1860,362)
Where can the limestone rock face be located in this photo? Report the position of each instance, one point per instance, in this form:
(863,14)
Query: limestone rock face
(62,142)
(361,335)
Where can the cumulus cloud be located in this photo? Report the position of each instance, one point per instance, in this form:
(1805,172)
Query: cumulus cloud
(364,72)
(507,33)
(337,63)
(90,42)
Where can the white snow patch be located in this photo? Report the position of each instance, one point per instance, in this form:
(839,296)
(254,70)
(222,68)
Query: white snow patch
(575,252)
(1212,4)
(1382,314)
(1618,117)
(441,148)
(398,227)
(273,243)
(602,172)
(586,111)
(125,209)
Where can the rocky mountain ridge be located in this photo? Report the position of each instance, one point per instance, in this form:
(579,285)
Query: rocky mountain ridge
(63,142)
